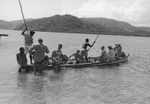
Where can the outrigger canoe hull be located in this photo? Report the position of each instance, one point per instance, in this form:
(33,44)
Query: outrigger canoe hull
(82,65)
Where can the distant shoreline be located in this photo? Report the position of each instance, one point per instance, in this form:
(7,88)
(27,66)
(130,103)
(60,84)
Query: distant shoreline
(72,24)
(78,33)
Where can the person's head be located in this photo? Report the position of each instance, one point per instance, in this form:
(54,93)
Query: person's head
(32,33)
(59,46)
(40,40)
(21,50)
(102,48)
(116,45)
(119,45)
(46,58)
(78,51)
(110,47)
(86,40)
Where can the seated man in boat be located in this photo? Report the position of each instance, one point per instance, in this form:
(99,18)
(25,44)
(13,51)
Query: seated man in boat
(39,55)
(21,58)
(28,38)
(78,57)
(84,52)
(103,56)
(118,51)
(111,54)
(46,61)
(57,57)
(64,59)
(123,55)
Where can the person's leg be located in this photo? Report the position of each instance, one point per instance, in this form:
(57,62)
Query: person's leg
(35,67)
(86,56)
(27,48)
(54,65)
(41,67)
(30,55)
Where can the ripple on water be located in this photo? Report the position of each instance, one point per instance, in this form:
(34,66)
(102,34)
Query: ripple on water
(124,84)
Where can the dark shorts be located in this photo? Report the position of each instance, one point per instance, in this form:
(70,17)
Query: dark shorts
(84,53)
(39,66)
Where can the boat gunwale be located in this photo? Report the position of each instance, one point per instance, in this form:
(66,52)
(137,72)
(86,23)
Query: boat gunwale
(97,63)
(87,64)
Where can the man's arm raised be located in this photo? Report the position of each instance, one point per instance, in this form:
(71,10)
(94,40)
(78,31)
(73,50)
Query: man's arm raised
(47,50)
(23,33)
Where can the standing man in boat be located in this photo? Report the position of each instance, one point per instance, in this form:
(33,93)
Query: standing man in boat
(39,55)
(28,38)
(84,52)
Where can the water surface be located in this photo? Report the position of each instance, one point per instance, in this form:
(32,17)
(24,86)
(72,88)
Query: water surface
(125,84)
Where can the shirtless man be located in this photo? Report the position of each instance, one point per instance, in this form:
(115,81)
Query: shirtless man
(57,57)
(57,54)
(84,52)
(21,58)
(28,41)
(77,56)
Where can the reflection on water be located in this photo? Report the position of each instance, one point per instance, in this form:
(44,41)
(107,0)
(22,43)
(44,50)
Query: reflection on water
(124,84)
(35,89)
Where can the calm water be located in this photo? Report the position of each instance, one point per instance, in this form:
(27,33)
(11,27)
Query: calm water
(126,84)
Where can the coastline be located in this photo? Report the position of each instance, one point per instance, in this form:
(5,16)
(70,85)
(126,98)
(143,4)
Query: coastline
(80,33)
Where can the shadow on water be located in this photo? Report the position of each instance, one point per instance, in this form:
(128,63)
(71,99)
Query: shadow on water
(22,79)
(56,75)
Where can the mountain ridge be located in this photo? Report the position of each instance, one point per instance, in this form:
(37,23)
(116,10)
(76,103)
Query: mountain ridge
(72,24)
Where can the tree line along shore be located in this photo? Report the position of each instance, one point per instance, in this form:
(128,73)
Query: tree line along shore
(71,24)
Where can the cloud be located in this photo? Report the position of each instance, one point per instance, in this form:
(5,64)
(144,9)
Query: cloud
(134,11)
(10,9)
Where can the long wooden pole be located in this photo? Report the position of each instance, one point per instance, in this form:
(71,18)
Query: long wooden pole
(95,40)
(22,14)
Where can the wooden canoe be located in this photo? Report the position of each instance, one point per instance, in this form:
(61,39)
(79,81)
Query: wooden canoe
(4,35)
(82,65)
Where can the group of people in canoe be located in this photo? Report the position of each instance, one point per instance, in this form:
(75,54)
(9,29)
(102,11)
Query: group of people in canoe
(37,53)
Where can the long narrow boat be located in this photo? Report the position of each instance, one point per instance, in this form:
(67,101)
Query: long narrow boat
(4,35)
(82,65)
(92,64)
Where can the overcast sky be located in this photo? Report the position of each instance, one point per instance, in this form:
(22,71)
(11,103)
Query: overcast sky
(135,12)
